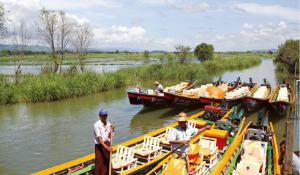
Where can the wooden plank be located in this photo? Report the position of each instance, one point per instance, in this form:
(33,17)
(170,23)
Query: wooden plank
(289,145)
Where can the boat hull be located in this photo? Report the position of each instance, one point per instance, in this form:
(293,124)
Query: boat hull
(281,107)
(254,104)
(154,100)
(182,100)
(134,98)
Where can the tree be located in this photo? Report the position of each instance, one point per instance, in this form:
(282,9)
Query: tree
(288,54)
(20,40)
(84,37)
(64,34)
(204,51)
(47,28)
(24,38)
(3,18)
(146,54)
(183,54)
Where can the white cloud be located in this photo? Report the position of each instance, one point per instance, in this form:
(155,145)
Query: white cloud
(119,34)
(79,4)
(220,37)
(190,7)
(247,26)
(270,10)
(199,7)
(139,29)
(153,2)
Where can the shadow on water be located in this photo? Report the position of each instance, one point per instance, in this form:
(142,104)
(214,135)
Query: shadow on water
(148,120)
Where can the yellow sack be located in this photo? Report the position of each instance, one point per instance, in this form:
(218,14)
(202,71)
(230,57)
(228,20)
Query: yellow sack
(194,154)
(175,167)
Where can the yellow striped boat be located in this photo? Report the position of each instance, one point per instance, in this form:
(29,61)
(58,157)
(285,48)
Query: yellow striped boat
(86,164)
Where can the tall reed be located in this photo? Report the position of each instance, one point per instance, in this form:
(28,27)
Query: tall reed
(71,83)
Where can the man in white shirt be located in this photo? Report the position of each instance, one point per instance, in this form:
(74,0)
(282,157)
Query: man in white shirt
(180,137)
(158,88)
(102,132)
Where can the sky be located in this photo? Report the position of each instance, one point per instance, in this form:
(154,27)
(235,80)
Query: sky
(229,25)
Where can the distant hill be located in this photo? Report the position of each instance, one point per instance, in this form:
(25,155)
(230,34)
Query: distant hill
(33,48)
(40,48)
(264,50)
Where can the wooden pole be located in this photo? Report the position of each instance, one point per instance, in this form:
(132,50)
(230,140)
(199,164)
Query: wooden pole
(289,143)
(110,153)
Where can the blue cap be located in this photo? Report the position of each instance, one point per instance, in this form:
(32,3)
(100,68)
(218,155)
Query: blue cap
(102,112)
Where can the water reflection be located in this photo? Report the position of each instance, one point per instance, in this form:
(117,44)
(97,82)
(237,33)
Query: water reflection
(149,118)
(99,65)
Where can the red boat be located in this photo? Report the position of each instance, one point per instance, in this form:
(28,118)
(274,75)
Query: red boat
(134,98)
(150,98)
(233,97)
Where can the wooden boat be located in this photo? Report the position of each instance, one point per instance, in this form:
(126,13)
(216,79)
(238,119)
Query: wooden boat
(150,98)
(233,97)
(134,98)
(216,140)
(258,153)
(86,164)
(282,98)
(190,97)
(259,97)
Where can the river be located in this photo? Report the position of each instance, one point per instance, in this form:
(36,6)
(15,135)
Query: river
(40,135)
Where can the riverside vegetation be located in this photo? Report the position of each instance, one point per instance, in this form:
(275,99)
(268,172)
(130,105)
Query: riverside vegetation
(72,83)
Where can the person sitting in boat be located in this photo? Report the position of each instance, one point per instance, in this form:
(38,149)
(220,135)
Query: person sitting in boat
(295,160)
(180,137)
(158,88)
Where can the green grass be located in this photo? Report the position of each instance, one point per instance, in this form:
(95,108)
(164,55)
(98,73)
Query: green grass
(71,83)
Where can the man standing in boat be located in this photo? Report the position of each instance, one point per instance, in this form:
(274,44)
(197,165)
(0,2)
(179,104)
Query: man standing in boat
(181,136)
(158,88)
(102,131)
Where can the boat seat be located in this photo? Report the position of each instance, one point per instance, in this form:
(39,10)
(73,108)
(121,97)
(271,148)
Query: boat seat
(209,149)
(164,138)
(191,123)
(123,159)
(149,149)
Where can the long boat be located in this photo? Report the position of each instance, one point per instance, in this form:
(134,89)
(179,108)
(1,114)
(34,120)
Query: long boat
(232,97)
(255,151)
(211,144)
(151,98)
(190,97)
(282,98)
(86,164)
(259,97)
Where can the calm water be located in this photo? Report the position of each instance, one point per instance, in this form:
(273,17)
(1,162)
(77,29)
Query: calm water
(37,136)
(97,64)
